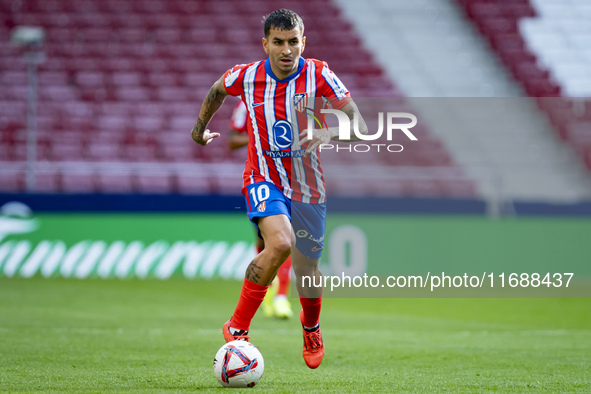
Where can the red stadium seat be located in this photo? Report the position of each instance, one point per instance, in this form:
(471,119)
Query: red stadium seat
(113,123)
(127,79)
(103,152)
(133,94)
(78,183)
(66,151)
(13,78)
(155,184)
(227,185)
(135,36)
(140,152)
(193,184)
(178,153)
(90,78)
(116,183)
(12,182)
(164,79)
(148,124)
(47,182)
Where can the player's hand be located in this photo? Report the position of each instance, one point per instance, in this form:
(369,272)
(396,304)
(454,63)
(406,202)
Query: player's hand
(319,137)
(205,138)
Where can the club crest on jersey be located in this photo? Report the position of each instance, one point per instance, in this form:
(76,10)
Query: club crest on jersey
(300,101)
(262,207)
(282,134)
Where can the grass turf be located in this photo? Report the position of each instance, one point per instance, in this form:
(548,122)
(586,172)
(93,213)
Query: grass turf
(155,336)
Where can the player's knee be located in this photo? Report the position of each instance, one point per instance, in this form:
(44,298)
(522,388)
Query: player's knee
(280,247)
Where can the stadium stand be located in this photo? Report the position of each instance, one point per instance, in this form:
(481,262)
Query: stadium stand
(123,80)
(546,46)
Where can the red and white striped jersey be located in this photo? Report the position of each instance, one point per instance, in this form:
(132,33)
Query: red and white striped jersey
(274,153)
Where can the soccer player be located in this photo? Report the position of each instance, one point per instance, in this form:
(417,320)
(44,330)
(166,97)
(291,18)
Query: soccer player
(283,179)
(276,302)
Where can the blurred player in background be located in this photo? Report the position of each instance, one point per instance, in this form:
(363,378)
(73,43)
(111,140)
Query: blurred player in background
(283,179)
(276,302)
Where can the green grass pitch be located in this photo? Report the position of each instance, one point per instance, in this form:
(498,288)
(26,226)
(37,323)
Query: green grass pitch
(161,336)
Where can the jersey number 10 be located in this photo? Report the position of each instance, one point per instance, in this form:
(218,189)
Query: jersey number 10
(262,192)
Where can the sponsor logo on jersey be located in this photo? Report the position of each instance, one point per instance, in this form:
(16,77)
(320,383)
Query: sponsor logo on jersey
(279,154)
(282,134)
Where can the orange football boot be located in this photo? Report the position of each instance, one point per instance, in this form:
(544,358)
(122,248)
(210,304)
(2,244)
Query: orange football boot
(313,350)
(228,337)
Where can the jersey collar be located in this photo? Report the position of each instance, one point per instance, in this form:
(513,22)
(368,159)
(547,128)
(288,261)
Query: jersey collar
(292,76)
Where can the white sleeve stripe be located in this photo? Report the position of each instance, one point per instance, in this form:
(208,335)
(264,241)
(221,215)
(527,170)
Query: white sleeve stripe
(334,82)
(231,78)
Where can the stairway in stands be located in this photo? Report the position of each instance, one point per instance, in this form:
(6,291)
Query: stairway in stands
(546,44)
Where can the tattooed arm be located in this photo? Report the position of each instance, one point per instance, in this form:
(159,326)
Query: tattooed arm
(212,102)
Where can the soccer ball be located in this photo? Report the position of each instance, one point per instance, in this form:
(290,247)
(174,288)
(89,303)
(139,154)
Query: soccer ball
(238,364)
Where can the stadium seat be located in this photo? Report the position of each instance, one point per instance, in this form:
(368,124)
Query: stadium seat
(78,183)
(225,185)
(193,185)
(127,79)
(11,181)
(115,183)
(103,151)
(155,184)
(47,182)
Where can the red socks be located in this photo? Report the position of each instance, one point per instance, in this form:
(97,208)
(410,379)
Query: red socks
(284,276)
(311,307)
(251,297)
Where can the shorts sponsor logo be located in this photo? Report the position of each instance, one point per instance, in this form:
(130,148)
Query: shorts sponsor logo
(319,240)
(306,234)
(301,233)
(316,248)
